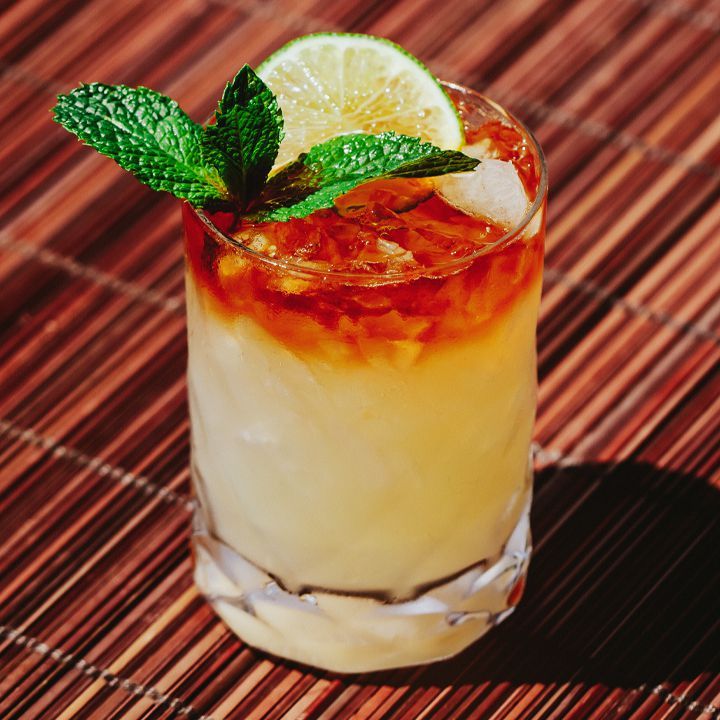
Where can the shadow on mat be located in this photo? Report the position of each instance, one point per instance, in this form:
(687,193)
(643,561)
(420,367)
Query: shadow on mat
(624,586)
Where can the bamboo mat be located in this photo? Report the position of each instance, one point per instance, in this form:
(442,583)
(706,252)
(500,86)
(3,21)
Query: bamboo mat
(98,615)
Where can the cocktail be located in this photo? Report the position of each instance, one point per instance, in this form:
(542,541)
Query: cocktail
(362,368)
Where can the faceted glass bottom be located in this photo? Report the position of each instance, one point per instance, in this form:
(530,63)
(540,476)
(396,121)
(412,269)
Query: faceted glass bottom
(355,633)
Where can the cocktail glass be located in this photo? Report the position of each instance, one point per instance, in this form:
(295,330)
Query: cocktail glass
(361,430)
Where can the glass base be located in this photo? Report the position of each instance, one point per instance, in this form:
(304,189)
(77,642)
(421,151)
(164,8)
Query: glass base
(354,633)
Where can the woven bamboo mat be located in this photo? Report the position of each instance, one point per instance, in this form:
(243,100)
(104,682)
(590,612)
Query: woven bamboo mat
(98,615)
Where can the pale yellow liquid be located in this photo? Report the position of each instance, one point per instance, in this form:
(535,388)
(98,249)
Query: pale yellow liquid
(362,477)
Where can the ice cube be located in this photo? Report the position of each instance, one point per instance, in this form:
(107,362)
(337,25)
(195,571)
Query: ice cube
(493,190)
(394,251)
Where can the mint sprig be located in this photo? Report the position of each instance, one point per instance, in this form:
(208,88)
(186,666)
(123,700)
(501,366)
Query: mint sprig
(230,159)
(340,164)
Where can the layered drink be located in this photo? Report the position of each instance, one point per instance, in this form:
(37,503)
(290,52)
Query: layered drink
(362,388)
(364,256)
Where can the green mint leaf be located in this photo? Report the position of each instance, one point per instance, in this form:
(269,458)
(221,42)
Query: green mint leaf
(336,166)
(244,140)
(144,132)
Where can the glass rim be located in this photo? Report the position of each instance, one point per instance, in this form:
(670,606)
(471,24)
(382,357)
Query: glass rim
(401,275)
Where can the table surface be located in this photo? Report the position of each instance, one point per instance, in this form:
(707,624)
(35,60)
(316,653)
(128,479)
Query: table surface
(621,619)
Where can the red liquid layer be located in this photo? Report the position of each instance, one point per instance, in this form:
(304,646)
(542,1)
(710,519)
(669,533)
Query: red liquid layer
(390,226)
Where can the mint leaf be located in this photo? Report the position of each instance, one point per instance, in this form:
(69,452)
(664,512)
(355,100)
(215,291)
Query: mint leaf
(336,166)
(145,133)
(244,140)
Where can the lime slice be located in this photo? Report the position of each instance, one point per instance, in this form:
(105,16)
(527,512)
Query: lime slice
(328,84)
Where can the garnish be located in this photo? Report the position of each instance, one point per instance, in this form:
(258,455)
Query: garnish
(230,159)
